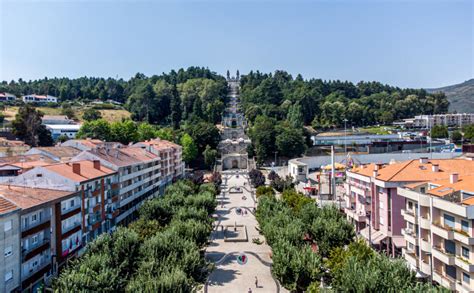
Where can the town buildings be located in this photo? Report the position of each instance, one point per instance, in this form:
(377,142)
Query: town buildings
(34,230)
(139,176)
(422,209)
(450,120)
(171,155)
(40,99)
(56,119)
(60,198)
(439,230)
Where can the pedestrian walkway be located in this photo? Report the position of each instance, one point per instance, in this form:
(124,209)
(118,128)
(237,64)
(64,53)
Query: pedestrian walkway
(229,275)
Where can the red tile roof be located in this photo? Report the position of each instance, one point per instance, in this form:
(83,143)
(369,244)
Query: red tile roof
(27,197)
(87,171)
(6,206)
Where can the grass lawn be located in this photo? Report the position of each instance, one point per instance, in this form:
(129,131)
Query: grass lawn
(377,129)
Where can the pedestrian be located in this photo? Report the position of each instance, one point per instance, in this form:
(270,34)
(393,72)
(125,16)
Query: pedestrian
(256,282)
(250,290)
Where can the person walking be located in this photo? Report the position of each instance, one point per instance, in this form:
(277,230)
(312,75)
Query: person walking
(256,282)
(250,290)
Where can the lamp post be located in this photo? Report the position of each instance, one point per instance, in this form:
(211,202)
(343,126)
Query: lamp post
(345,136)
(276,152)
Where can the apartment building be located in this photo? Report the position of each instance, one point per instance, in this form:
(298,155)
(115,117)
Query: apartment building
(9,245)
(172,165)
(31,249)
(139,176)
(450,120)
(439,231)
(97,186)
(374,205)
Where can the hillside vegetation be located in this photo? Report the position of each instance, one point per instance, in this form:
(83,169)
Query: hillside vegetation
(460,96)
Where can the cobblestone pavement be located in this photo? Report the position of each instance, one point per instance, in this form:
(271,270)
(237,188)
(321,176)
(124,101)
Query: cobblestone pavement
(229,276)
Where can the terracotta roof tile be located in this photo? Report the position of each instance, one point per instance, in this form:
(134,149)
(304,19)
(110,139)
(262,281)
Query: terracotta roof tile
(87,171)
(26,197)
(60,151)
(6,206)
(124,156)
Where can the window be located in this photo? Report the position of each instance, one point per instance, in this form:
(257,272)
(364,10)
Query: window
(465,226)
(450,246)
(465,252)
(34,239)
(8,225)
(34,218)
(466,278)
(8,276)
(71,203)
(8,251)
(448,220)
(39,175)
(422,189)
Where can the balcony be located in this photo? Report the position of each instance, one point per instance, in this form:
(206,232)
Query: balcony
(424,222)
(358,216)
(463,237)
(425,267)
(411,258)
(443,256)
(425,245)
(445,281)
(409,216)
(445,233)
(410,236)
(464,264)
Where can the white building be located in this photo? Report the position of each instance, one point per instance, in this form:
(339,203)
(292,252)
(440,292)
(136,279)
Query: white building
(139,175)
(39,99)
(7,97)
(450,120)
(69,130)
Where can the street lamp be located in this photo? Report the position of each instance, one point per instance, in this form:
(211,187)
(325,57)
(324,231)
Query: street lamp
(276,152)
(345,137)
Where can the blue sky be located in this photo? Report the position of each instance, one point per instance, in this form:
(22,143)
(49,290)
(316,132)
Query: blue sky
(404,43)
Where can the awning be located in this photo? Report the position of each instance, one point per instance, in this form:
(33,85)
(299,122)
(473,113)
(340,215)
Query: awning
(375,237)
(399,241)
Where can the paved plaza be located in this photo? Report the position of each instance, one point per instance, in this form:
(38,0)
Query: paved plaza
(230,275)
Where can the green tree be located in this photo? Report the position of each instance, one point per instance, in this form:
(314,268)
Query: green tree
(263,135)
(456,136)
(91,114)
(439,131)
(124,132)
(143,103)
(469,132)
(146,131)
(190,149)
(203,134)
(290,142)
(27,126)
(295,116)
(97,129)
(175,108)
(210,156)
(68,111)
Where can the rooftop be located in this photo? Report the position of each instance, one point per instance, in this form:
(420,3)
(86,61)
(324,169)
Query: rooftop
(6,206)
(87,171)
(416,170)
(60,151)
(124,156)
(27,197)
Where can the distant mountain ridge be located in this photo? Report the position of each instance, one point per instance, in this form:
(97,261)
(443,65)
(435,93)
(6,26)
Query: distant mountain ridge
(460,96)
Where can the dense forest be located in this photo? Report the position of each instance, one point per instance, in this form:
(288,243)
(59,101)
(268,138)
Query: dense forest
(325,104)
(160,99)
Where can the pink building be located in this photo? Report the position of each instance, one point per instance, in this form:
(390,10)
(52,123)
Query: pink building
(372,197)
